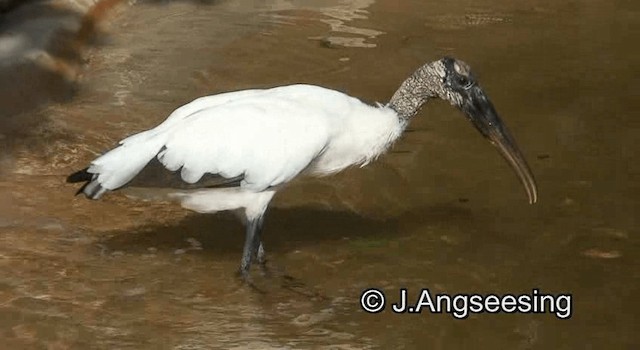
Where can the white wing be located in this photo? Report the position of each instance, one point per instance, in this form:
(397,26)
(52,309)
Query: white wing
(269,136)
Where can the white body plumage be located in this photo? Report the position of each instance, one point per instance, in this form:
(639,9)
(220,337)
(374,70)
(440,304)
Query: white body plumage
(267,136)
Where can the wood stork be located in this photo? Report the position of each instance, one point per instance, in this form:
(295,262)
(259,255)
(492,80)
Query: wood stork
(235,150)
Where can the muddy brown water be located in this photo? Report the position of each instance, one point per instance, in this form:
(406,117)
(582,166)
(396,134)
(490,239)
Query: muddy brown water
(441,211)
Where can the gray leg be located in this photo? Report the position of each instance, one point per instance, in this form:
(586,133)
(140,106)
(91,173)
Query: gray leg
(251,244)
(262,259)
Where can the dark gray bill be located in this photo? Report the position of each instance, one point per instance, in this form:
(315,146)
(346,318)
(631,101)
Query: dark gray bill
(484,117)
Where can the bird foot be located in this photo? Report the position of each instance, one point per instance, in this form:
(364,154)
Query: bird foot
(289,282)
(245,279)
(286,281)
(265,271)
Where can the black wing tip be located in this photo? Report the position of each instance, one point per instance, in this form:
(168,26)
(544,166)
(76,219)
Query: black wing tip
(90,189)
(80,176)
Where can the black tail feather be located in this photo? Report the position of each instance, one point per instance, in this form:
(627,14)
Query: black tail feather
(80,176)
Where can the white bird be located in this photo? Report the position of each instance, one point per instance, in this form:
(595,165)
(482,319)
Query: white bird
(235,150)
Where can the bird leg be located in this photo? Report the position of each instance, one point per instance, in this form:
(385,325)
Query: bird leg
(260,253)
(251,244)
(262,259)
(254,249)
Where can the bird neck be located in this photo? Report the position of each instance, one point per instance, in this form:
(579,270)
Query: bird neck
(412,94)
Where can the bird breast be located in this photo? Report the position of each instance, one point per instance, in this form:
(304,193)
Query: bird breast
(358,138)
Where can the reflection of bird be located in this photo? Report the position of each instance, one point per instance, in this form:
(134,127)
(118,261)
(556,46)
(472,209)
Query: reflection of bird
(235,150)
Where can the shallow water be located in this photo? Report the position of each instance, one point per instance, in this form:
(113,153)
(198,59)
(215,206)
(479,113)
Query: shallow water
(441,211)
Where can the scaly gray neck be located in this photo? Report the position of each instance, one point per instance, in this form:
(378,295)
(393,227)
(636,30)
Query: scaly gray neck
(415,91)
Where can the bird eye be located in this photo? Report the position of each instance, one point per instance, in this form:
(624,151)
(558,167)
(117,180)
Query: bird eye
(464,82)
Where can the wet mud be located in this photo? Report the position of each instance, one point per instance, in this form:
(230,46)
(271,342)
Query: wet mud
(441,211)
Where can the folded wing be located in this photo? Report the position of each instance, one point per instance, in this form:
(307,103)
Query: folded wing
(257,139)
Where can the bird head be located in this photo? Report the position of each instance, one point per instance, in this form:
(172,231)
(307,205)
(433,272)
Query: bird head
(452,80)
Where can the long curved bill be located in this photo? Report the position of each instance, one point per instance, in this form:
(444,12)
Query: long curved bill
(480,110)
